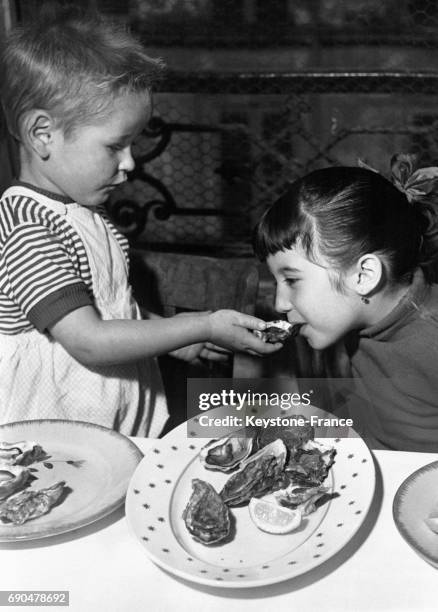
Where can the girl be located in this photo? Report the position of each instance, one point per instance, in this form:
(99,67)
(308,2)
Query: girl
(351,252)
(76,93)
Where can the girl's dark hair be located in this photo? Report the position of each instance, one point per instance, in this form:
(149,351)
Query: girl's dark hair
(342,213)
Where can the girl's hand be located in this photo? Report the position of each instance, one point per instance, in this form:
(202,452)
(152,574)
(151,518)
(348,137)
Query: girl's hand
(233,330)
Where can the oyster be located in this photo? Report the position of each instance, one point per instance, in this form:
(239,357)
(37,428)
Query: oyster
(311,463)
(20,453)
(293,436)
(259,474)
(206,516)
(226,453)
(12,479)
(30,504)
(305,498)
(278,331)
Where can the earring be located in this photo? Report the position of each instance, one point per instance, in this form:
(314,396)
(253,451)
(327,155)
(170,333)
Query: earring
(365,300)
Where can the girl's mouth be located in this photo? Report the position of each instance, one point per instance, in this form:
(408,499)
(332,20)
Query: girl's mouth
(296,329)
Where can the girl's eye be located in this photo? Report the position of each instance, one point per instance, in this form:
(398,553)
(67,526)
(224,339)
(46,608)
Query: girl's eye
(115,148)
(290,281)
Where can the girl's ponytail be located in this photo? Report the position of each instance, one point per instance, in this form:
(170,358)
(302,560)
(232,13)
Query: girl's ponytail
(420,186)
(428,212)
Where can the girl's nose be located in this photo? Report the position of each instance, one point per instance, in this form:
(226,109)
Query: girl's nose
(284,305)
(127,163)
(282,302)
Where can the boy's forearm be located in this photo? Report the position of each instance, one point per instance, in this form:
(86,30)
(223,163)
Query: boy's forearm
(123,341)
(93,341)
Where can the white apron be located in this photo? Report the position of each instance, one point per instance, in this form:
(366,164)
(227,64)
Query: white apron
(39,379)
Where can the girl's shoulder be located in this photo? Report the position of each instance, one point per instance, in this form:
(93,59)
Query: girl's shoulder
(419,333)
(428,310)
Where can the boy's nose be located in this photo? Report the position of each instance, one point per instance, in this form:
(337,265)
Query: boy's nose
(127,163)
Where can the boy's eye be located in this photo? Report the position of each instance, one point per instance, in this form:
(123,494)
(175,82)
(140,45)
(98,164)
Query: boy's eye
(290,281)
(115,147)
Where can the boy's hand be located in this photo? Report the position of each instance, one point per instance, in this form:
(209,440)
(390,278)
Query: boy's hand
(196,353)
(233,330)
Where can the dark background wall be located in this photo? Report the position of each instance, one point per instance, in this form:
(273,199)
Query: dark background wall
(259,92)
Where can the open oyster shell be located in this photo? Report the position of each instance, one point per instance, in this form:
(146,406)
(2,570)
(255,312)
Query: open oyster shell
(278,331)
(226,453)
(259,474)
(28,505)
(305,498)
(311,463)
(12,479)
(206,516)
(20,453)
(294,436)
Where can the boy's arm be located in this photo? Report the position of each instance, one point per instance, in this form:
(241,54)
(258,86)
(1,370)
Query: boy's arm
(93,341)
(193,352)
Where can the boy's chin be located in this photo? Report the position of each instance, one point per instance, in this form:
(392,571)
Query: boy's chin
(95,200)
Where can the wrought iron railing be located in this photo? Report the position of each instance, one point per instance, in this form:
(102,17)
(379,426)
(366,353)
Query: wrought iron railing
(222,146)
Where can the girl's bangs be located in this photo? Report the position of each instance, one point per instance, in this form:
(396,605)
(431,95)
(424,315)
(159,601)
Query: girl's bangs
(274,233)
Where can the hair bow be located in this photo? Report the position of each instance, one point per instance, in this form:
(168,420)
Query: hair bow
(416,183)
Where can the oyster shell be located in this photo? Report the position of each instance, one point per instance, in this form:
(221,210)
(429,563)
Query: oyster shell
(20,453)
(259,474)
(28,504)
(226,453)
(278,331)
(292,436)
(206,516)
(311,463)
(12,479)
(305,498)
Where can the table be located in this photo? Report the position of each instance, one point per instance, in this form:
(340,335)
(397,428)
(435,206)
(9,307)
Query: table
(105,569)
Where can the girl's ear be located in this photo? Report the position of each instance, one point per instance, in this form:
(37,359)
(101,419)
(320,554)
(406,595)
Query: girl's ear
(366,275)
(37,132)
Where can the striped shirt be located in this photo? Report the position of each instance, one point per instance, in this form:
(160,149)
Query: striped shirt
(44,269)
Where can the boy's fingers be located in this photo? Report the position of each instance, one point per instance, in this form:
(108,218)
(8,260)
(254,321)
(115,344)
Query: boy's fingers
(208,355)
(267,350)
(218,349)
(261,347)
(251,322)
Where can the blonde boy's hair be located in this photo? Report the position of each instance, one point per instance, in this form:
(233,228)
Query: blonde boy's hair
(72,65)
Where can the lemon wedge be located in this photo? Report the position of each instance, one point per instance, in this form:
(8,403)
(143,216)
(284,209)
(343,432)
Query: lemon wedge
(273,518)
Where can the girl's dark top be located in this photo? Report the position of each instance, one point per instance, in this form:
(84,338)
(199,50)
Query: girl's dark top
(395,367)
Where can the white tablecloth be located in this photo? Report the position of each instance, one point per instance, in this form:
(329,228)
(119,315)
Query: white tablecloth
(105,569)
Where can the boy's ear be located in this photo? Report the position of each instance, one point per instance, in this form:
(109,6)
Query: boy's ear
(366,275)
(37,132)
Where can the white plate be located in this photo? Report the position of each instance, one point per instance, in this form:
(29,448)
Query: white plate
(95,462)
(161,488)
(415,499)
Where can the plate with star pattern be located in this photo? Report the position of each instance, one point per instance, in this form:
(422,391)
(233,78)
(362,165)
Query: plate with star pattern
(161,487)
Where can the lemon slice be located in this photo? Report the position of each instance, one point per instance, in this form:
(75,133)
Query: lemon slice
(273,518)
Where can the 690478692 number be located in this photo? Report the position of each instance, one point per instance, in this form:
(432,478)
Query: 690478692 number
(34,598)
